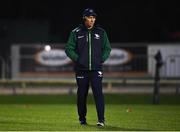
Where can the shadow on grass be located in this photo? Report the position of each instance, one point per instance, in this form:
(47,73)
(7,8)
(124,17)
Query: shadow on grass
(114,128)
(30,126)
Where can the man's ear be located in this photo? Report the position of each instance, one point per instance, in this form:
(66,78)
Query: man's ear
(84,19)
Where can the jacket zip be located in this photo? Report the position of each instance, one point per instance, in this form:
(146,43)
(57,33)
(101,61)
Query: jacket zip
(90,50)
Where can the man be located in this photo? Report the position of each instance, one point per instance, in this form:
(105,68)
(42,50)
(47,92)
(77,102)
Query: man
(88,47)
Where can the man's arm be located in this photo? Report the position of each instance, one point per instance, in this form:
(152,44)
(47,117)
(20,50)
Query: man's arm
(70,47)
(106,47)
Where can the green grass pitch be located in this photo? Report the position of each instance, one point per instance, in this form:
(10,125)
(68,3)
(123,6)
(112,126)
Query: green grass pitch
(124,112)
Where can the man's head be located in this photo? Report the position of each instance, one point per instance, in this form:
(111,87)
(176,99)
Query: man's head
(89,17)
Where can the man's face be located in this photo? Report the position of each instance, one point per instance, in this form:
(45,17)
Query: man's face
(89,21)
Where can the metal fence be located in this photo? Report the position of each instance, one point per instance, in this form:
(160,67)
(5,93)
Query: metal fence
(131,66)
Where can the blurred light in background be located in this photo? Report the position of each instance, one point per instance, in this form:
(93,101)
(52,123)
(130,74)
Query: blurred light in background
(47,47)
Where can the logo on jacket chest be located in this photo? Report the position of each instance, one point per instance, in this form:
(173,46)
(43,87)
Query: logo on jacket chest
(96,36)
(82,36)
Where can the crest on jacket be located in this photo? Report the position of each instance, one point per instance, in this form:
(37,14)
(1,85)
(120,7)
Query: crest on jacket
(96,36)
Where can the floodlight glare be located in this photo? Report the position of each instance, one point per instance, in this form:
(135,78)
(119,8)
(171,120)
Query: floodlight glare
(47,47)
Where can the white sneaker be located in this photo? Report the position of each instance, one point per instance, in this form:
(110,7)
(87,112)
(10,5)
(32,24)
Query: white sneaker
(101,124)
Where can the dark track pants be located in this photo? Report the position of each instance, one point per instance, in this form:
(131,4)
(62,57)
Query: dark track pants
(84,79)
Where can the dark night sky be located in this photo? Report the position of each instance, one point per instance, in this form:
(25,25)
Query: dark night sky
(124,21)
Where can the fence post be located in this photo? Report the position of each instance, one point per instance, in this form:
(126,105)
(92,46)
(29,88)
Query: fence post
(2,68)
(109,86)
(159,63)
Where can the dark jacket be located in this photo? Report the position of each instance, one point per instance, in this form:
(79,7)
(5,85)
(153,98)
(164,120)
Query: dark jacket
(88,48)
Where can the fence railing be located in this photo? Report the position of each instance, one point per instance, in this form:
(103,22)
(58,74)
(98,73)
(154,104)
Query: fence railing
(15,86)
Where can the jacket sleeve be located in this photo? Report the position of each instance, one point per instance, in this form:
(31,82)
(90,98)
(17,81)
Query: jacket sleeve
(70,47)
(106,47)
